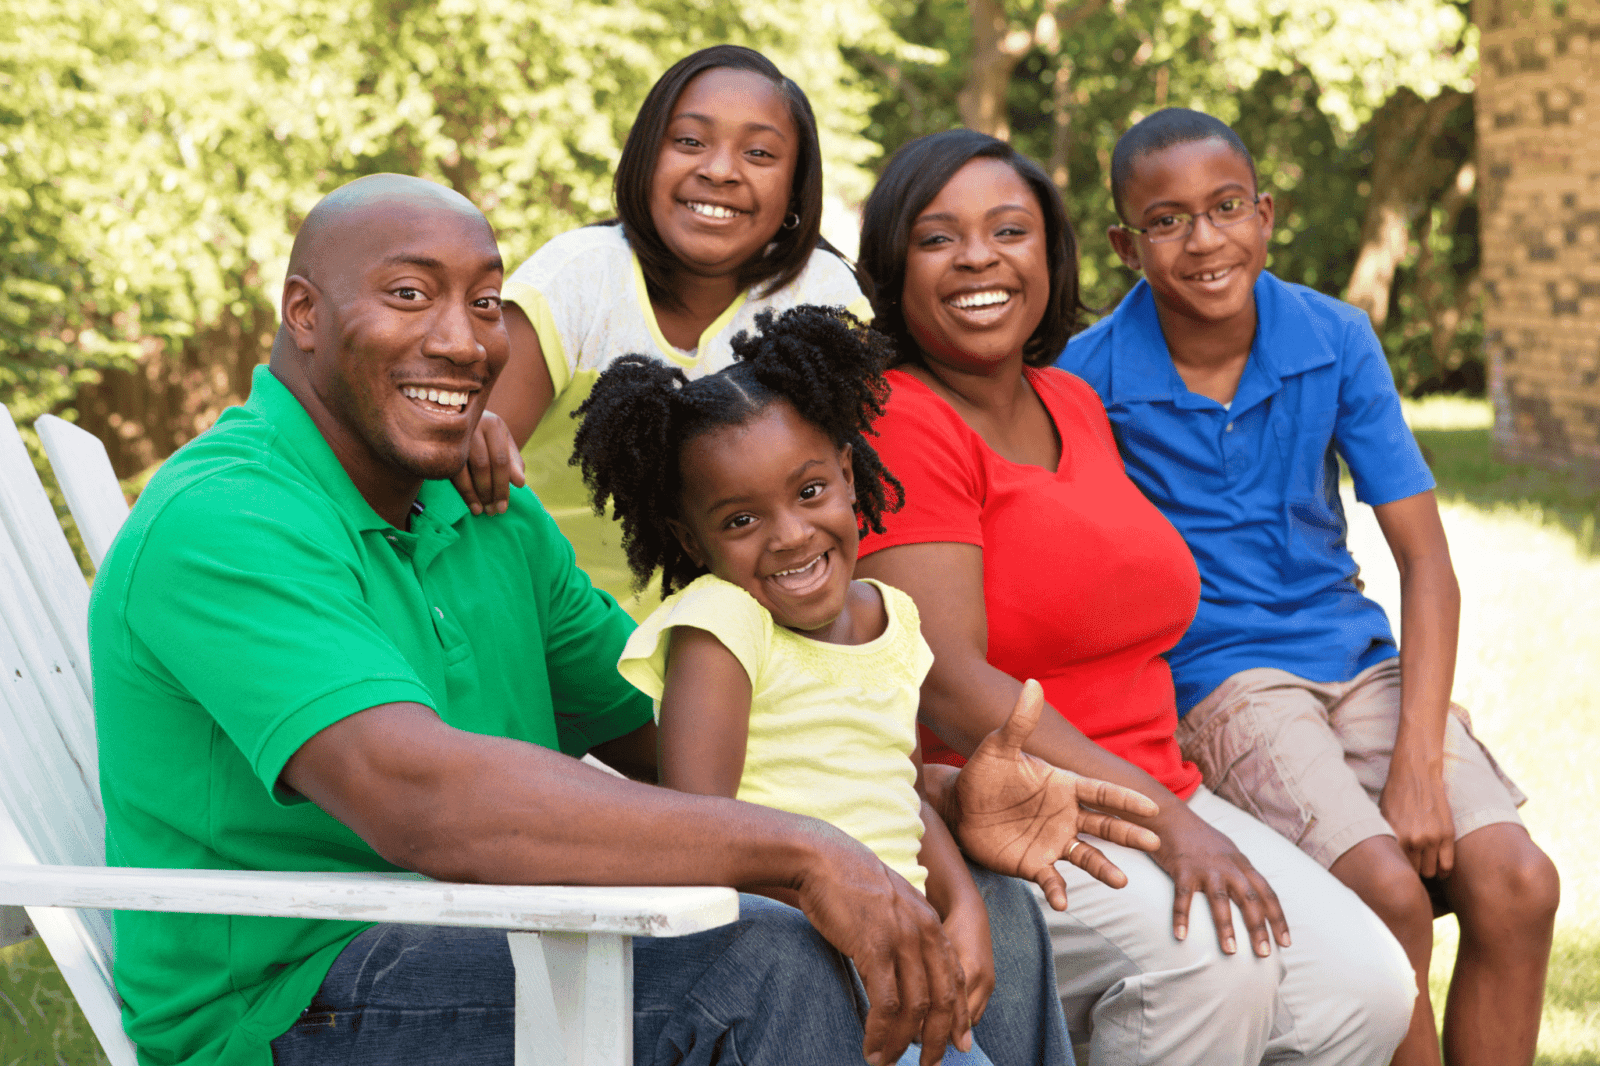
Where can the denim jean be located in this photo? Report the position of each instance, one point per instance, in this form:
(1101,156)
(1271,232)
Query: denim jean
(766,990)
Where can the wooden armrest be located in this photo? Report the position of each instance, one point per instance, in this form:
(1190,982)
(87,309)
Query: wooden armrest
(375,897)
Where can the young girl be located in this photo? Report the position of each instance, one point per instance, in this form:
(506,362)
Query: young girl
(719,207)
(781,680)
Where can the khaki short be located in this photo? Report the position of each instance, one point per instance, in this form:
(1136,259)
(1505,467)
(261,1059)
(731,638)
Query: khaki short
(1310,758)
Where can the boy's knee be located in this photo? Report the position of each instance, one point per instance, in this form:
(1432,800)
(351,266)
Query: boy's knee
(1388,885)
(1522,888)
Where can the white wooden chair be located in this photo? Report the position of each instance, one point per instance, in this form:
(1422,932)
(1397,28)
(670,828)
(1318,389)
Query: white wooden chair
(83,470)
(571,946)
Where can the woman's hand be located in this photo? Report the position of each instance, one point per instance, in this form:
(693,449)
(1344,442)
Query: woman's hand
(1017,814)
(967,929)
(1200,859)
(494,464)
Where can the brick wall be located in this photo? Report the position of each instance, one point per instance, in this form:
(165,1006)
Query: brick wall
(1538,110)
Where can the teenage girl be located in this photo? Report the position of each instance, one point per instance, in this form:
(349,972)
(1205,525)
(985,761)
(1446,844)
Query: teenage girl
(780,679)
(719,207)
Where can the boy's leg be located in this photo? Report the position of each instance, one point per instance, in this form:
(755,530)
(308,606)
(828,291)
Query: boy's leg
(1265,740)
(763,991)
(1503,889)
(1504,892)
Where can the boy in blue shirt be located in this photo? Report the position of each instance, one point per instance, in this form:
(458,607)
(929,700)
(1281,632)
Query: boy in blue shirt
(1230,392)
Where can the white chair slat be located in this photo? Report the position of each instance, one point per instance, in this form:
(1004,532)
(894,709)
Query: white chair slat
(80,945)
(83,470)
(30,520)
(50,776)
(376,897)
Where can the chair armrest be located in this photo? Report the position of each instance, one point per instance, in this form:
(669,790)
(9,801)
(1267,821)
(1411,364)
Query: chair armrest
(374,897)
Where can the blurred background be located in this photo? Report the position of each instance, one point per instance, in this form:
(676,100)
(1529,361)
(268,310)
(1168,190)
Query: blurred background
(155,158)
(1436,165)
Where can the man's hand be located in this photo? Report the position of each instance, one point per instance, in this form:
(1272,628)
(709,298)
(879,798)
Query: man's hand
(912,973)
(1414,803)
(493,465)
(1017,814)
(1200,859)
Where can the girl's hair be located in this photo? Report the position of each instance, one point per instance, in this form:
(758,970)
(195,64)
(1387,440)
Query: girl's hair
(909,183)
(786,256)
(822,361)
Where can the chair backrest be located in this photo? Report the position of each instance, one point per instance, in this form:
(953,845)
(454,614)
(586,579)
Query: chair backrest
(50,805)
(83,470)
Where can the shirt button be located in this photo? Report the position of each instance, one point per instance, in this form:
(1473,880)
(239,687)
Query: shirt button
(1230,427)
(390,537)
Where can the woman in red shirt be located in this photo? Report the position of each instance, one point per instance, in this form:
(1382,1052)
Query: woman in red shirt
(1030,554)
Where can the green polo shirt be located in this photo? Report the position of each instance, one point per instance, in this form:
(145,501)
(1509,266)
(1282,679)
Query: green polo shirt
(252,599)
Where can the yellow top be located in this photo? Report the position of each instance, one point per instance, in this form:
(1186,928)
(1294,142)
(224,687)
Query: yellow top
(832,726)
(585,295)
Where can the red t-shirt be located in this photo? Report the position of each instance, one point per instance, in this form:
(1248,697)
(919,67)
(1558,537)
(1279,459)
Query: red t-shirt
(1085,583)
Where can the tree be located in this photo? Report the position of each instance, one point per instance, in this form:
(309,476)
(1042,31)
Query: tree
(1326,93)
(155,159)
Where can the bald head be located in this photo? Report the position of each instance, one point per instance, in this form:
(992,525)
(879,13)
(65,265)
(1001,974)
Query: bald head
(323,244)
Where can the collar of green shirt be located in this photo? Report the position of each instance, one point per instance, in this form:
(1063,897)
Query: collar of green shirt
(303,444)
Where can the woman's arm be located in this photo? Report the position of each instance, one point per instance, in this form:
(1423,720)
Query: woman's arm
(1413,798)
(964,699)
(521,395)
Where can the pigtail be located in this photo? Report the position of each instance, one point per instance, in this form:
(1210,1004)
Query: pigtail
(829,366)
(627,449)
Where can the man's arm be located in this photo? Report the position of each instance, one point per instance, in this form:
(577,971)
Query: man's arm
(1413,798)
(467,807)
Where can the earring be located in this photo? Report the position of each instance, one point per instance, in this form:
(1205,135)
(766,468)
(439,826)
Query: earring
(791,220)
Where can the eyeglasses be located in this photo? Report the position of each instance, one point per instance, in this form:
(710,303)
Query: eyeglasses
(1177,225)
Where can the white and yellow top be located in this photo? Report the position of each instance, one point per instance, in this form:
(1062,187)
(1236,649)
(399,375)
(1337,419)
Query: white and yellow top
(585,295)
(832,726)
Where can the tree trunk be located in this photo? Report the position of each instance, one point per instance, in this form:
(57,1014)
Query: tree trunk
(1054,25)
(145,414)
(1405,169)
(997,48)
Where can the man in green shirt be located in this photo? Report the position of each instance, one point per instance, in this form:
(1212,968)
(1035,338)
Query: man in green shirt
(308,655)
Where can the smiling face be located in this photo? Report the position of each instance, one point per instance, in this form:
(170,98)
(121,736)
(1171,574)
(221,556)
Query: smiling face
(977,279)
(724,171)
(1208,277)
(397,317)
(769,506)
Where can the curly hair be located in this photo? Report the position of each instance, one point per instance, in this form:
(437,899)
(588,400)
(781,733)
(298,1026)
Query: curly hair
(822,361)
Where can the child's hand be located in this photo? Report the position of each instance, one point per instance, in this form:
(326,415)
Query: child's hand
(1018,815)
(493,465)
(967,929)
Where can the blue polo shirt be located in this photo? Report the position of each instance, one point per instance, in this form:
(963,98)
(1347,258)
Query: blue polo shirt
(1254,486)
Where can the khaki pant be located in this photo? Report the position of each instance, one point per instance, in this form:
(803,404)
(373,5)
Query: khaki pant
(1310,758)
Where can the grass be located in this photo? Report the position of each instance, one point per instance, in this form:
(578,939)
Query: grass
(1525,550)
(1523,543)
(40,1024)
